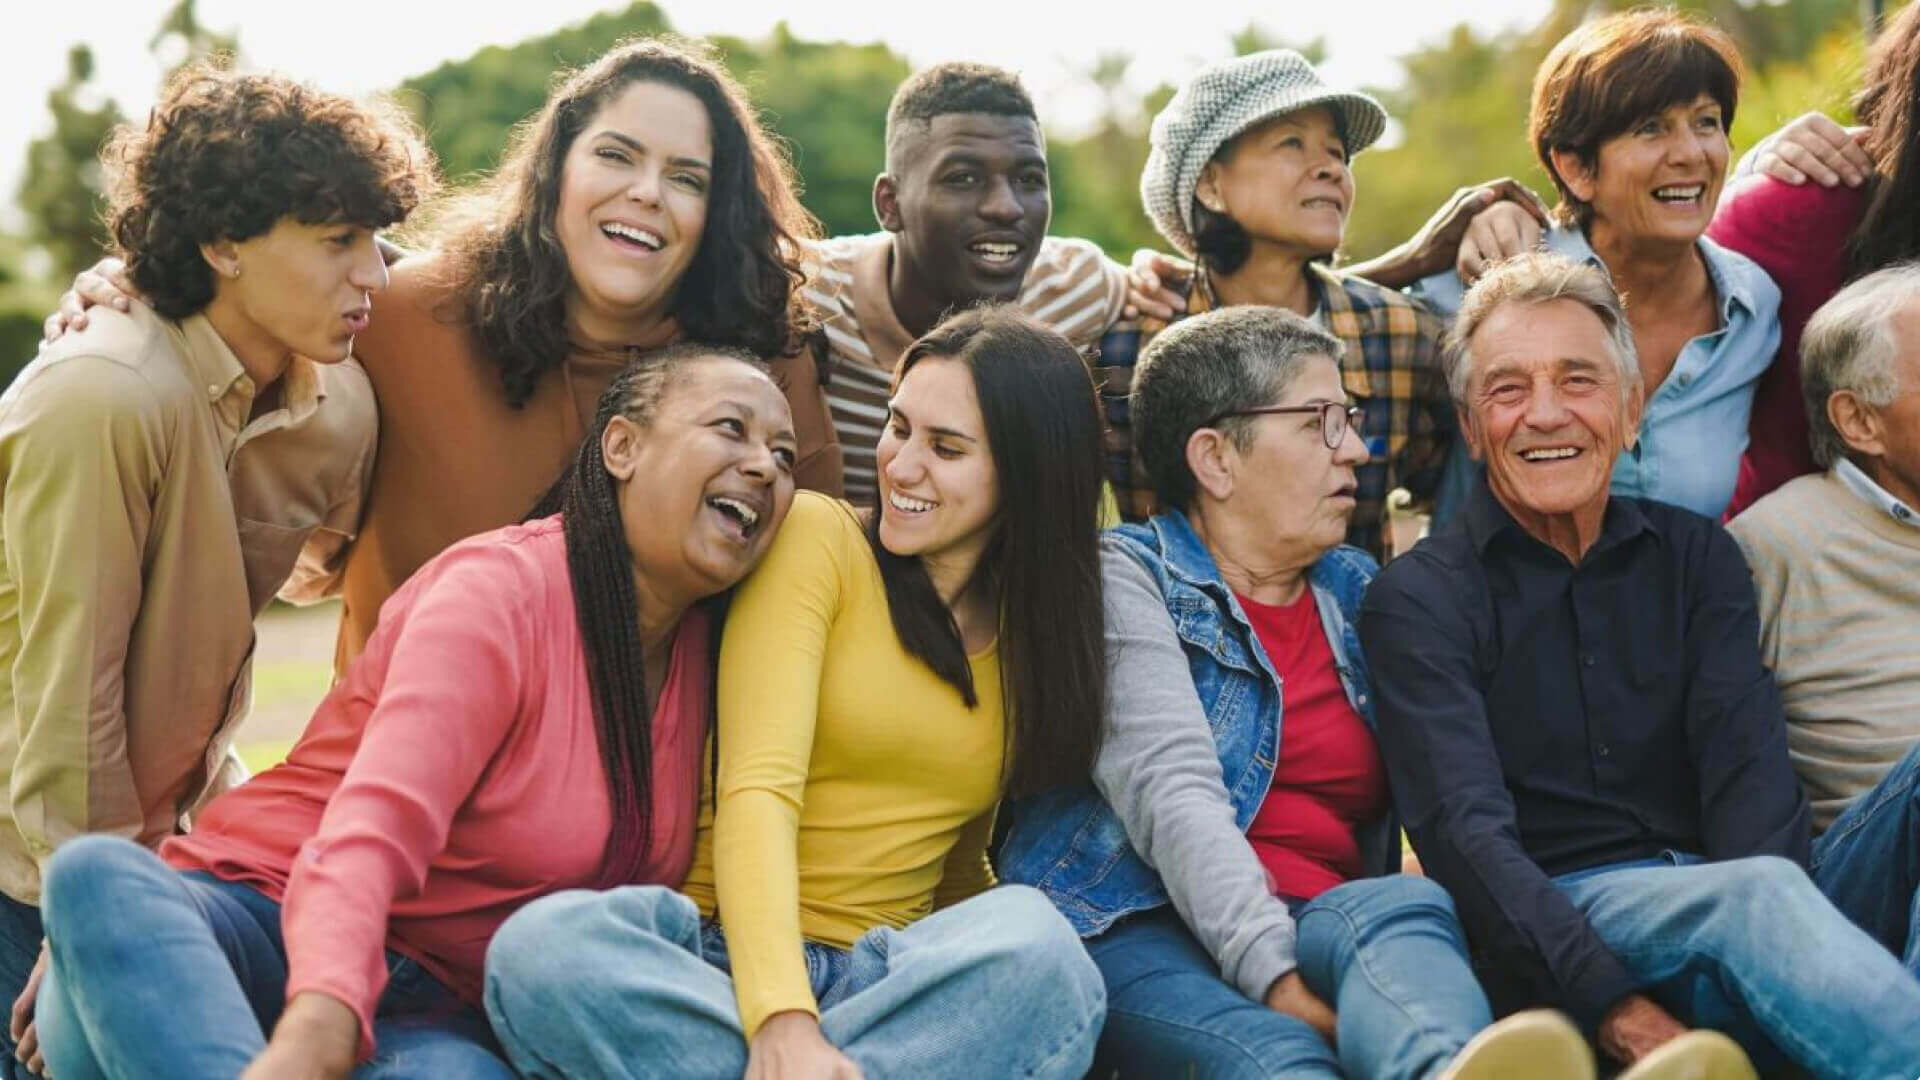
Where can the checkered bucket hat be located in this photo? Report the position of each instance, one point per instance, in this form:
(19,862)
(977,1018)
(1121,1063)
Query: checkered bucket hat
(1219,102)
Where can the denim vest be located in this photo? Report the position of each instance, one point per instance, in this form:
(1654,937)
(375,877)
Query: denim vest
(1071,845)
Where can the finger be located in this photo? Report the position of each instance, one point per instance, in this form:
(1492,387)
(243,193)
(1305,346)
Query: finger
(1507,239)
(1470,263)
(53,327)
(1830,149)
(1857,157)
(1171,300)
(73,302)
(1809,163)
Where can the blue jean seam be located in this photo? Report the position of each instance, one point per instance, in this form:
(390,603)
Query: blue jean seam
(1747,999)
(1249,1056)
(1856,822)
(1423,1031)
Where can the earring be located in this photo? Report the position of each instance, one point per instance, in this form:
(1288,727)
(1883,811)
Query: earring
(234,270)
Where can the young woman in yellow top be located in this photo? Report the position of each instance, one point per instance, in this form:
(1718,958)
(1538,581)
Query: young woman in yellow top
(880,689)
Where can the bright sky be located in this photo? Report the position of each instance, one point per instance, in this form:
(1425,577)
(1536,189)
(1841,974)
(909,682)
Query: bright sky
(360,45)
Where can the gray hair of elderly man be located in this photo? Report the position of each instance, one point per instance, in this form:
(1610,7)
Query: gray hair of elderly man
(1538,279)
(1849,344)
(1201,368)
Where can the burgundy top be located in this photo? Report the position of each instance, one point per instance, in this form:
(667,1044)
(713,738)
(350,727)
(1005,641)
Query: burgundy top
(1798,235)
(1329,778)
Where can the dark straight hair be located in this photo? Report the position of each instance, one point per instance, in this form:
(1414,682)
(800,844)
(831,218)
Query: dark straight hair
(1889,104)
(1042,566)
(607,606)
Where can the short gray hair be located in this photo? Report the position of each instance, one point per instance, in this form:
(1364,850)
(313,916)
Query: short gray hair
(1849,345)
(1536,279)
(1195,370)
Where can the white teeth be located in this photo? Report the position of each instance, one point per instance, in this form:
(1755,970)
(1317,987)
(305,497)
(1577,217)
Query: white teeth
(747,514)
(911,506)
(1549,455)
(996,252)
(645,237)
(1692,191)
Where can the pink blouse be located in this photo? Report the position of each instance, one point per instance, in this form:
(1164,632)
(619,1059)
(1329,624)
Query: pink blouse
(451,776)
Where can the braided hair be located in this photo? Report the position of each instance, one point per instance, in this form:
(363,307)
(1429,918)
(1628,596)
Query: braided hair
(607,606)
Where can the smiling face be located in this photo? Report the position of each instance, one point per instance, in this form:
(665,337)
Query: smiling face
(633,205)
(969,205)
(1661,179)
(939,490)
(1546,412)
(301,290)
(705,485)
(1285,181)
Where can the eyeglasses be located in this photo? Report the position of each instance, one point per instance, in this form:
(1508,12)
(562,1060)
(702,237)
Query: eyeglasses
(1335,418)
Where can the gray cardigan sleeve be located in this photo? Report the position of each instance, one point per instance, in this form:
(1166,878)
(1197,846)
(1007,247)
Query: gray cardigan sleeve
(1160,771)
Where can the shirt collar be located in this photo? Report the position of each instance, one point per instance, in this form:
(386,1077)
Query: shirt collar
(1732,276)
(1857,481)
(218,372)
(1486,520)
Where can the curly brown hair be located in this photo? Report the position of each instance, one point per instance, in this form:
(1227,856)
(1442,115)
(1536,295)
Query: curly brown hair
(509,274)
(225,156)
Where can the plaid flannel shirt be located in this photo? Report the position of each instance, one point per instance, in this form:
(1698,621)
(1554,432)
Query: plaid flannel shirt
(1391,368)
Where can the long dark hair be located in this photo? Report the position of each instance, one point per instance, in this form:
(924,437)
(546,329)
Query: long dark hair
(1889,104)
(607,607)
(1042,566)
(509,273)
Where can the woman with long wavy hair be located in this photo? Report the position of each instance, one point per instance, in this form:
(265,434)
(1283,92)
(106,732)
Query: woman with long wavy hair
(529,717)
(644,204)
(881,687)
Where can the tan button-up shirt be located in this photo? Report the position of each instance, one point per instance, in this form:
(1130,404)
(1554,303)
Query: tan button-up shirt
(144,522)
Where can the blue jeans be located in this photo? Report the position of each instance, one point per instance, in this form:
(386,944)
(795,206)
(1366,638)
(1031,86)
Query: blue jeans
(20,936)
(160,974)
(1751,948)
(1386,954)
(612,984)
(1868,863)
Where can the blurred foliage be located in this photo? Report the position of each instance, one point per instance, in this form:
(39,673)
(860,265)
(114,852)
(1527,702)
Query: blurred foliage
(1459,117)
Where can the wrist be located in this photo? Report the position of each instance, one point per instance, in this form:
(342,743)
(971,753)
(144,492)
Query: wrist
(322,1026)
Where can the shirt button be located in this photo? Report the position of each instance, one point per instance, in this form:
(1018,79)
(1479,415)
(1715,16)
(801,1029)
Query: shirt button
(213,390)
(1362,699)
(1603,750)
(1685,380)
(1586,659)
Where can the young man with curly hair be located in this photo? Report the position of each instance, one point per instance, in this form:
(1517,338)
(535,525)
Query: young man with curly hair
(170,469)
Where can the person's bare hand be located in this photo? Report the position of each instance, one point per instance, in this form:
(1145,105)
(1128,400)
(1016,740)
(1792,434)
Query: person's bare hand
(317,1038)
(25,1033)
(105,284)
(1636,1027)
(1814,147)
(1435,247)
(789,1046)
(1497,233)
(1153,282)
(1289,995)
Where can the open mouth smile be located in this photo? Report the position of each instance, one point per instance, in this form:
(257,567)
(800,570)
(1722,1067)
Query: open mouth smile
(907,505)
(1549,454)
(741,516)
(632,237)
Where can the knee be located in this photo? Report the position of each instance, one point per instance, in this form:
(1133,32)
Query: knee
(1411,893)
(90,875)
(544,950)
(1036,940)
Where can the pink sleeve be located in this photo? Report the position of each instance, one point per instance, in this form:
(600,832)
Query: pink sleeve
(452,691)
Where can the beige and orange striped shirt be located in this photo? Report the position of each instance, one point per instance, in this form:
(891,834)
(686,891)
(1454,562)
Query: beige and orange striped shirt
(1072,287)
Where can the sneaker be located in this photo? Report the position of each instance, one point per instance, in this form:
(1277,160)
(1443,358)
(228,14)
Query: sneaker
(1697,1055)
(1536,1045)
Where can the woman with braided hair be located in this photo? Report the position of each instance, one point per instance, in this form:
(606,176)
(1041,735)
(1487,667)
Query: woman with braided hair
(529,717)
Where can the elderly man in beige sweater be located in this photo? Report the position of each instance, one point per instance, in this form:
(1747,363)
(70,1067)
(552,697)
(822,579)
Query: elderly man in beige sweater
(1836,562)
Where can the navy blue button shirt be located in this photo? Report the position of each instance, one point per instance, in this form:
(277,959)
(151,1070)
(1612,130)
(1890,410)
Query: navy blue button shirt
(1539,717)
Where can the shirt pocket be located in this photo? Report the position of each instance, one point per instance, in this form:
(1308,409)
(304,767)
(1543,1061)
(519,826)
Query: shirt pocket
(268,552)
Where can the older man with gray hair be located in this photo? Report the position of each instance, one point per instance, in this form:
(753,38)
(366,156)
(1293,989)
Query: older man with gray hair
(1580,736)
(1836,563)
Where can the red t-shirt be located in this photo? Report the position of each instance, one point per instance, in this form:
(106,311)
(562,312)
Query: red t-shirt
(1329,778)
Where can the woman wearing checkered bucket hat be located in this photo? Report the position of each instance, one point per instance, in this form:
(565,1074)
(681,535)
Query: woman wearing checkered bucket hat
(1249,177)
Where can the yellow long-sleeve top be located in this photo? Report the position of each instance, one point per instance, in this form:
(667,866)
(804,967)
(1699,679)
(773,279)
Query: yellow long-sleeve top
(856,789)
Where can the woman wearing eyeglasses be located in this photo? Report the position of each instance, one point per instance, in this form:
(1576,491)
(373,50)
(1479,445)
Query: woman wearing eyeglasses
(1233,875)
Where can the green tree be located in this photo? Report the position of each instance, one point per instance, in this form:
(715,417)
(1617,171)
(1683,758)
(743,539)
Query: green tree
(182,39)
(61,192)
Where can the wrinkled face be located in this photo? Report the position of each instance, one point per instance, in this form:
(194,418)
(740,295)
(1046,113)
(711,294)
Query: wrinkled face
(1288,484)
(939,491)
(705,485)
(1900,420)
(1660,180)
(1544,410)
(633,201)
(973,206)
(1285,181)
(308,288)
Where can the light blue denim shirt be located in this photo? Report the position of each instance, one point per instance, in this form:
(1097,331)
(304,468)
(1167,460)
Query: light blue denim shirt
(1695,425)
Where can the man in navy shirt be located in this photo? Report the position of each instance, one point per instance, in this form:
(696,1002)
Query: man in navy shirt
(1580,735)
